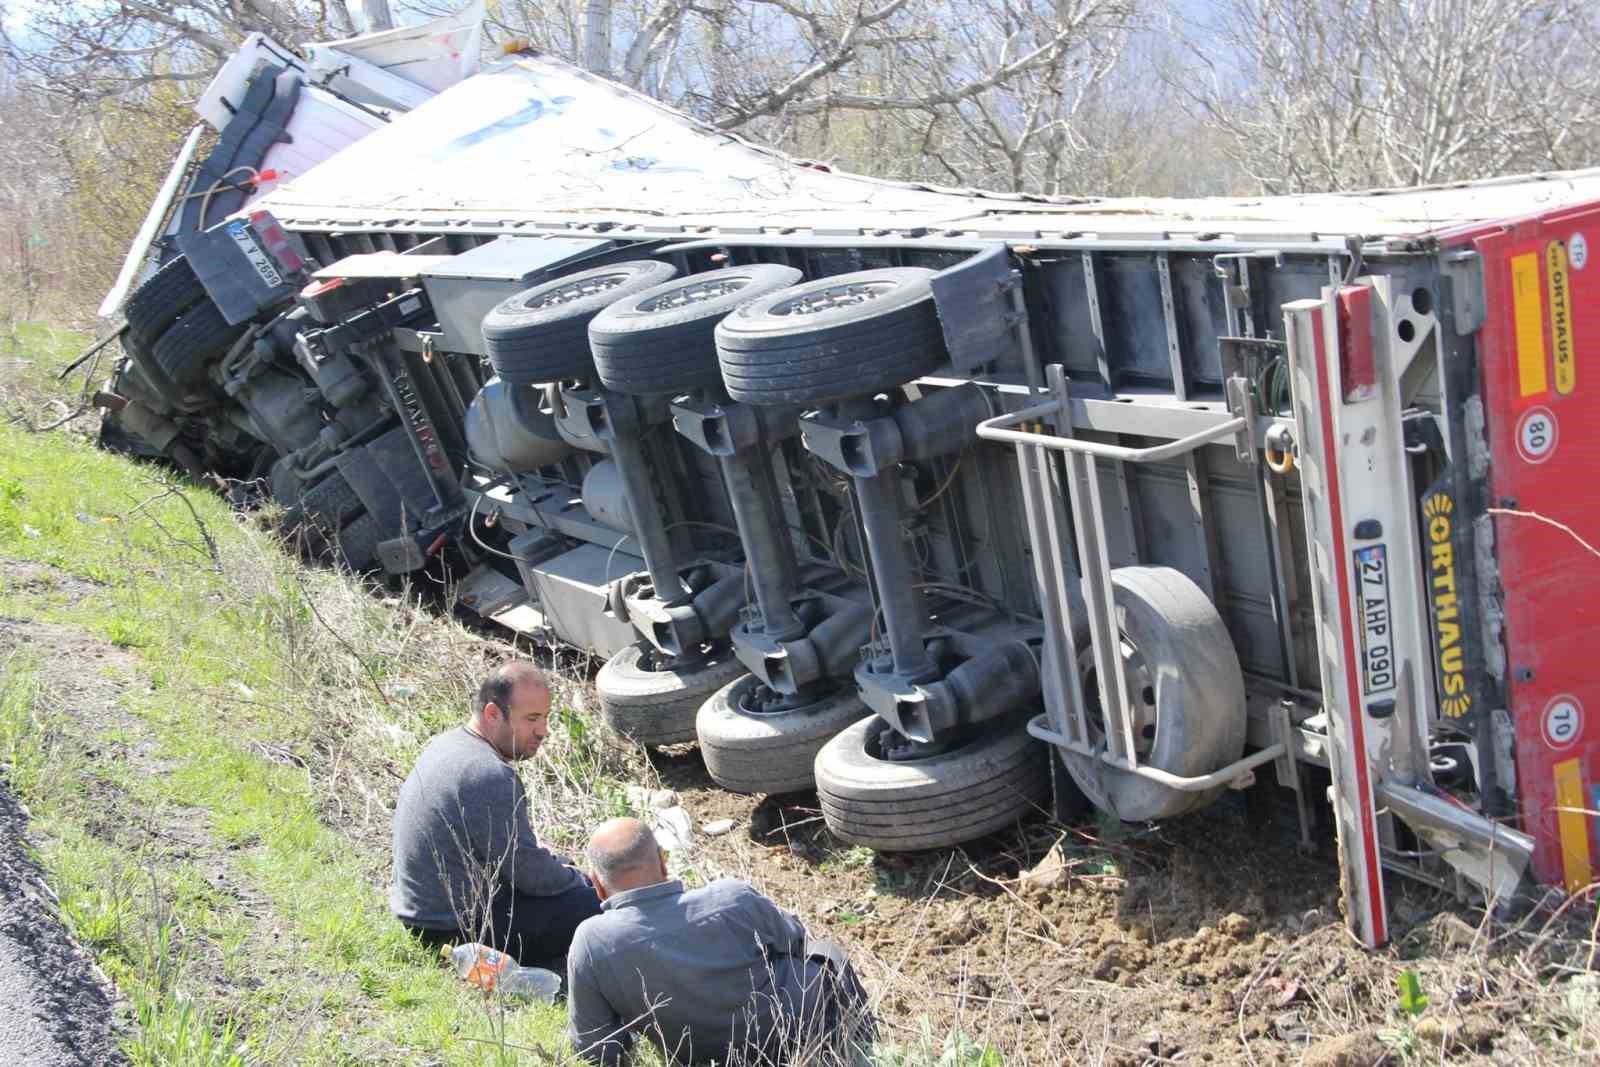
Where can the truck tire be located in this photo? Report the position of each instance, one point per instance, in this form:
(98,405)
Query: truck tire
(356,546)
(171,398)
(542,334)
(749,751)
(283,484)
(985,785)
(165,295)
(328,505)
(830,339)
(195,340)
(658,707)
(1187,688)
(663,340)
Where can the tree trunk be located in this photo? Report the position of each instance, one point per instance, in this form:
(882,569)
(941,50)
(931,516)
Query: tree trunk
(377,15)
(339,14)
(597,37)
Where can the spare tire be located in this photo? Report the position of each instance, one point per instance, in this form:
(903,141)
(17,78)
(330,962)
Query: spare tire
(542,334)
(831,339)
(663,340)
(1185,688)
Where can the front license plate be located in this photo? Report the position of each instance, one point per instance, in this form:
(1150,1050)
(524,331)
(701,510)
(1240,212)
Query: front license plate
(1375,619)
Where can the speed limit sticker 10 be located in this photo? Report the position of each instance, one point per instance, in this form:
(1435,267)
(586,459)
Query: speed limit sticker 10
(1536,434)
(1563,721)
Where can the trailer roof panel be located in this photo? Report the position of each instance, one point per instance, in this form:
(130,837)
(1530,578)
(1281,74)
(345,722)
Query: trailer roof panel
(532,141)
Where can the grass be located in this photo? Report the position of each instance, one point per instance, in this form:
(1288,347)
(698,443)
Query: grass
(276,709)
(270,730)
(31,356)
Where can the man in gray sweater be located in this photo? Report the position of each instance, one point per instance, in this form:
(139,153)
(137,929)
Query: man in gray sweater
(467,865)
(714,973)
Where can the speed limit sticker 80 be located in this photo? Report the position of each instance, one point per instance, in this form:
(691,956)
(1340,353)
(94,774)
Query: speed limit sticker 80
(1536,434)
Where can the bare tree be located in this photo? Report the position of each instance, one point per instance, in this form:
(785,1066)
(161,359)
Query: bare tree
(1030,133)
(969,91)
(1358,93)
(376,15)
(101,50)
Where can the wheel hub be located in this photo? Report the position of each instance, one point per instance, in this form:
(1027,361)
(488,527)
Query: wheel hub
(654,660)
(834,296)
(891,746)
(696,293)
(566,294)
(761,699)
(1141,691)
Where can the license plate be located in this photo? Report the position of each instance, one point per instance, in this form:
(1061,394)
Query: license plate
(240,232)
(1375,618)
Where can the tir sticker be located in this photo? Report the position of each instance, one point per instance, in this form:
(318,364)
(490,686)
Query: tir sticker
(1561,343)
(1454,700)
(1563,721)
(240,232)
(1578,251)
(1377,630)
(1526,305)
(1536,434)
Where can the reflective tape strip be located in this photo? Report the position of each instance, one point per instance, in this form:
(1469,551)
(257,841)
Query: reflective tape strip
(1527,306)
(1573,820)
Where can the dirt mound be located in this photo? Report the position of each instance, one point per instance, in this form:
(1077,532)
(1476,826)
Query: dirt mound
(1210,939)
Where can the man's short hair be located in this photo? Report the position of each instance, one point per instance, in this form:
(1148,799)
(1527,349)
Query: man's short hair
(497,688)
(637,850)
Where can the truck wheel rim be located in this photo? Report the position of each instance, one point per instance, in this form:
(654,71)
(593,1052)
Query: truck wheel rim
(573,291)
(693,293)
(1141,697)
(848,294)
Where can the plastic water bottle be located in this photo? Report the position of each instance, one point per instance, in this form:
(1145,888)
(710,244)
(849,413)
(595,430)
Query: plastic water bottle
(490,969)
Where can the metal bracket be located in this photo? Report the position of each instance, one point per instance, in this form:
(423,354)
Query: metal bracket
(1288,766)
(372,323)
(597,413)
(1088,522)
(1241,404)
(860,448)
(1468,295)
(718,429)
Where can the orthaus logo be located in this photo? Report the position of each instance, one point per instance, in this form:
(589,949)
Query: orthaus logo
(1455,701)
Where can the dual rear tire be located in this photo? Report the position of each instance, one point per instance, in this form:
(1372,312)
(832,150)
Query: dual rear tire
(176,333)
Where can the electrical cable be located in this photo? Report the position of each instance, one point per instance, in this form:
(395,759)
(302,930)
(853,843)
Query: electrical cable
(949,480)
(472,521)
(613,555)
(205,203)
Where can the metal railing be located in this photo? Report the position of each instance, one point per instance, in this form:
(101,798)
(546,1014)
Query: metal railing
(1053,567)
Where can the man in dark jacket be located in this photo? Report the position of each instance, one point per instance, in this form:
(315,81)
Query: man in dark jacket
(467,865)
(715,973)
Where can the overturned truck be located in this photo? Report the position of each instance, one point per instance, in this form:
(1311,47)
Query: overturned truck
(947,505)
